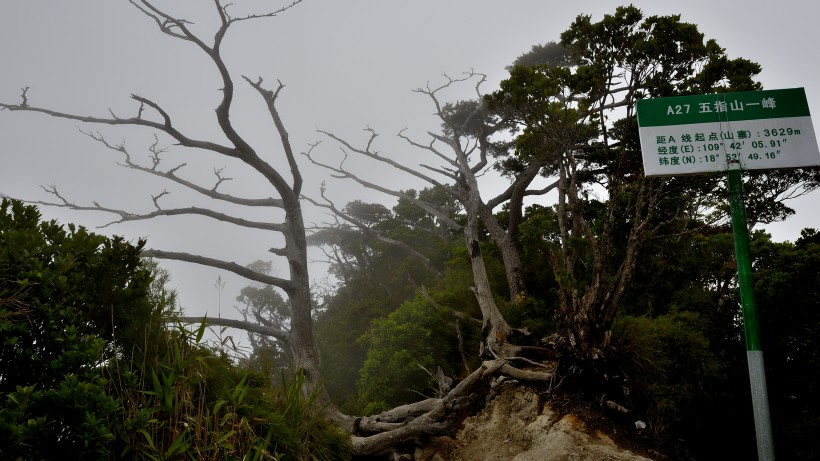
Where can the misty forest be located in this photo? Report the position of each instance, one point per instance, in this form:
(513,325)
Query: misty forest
(609,295)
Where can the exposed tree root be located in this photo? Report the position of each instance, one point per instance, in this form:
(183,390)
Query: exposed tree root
(380,434)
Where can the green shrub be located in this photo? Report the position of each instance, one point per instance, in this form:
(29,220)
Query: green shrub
(90,370)
(59,292)
(669,370)
(416,335)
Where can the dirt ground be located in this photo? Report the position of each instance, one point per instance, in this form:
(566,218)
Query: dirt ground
(519,424)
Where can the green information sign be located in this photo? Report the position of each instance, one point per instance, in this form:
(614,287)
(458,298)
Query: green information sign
(754,130)
(704,133)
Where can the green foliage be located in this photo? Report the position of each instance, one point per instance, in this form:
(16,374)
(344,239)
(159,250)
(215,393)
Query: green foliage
(89,370)
(265,305)
(569,108)
(670,372)
(550,54)
(390,279)
(337,329)
(671,54)
(313,437)
(530,312)
(694,276)
(398,347)
(787,285)
(537,240)
(349,314)
(200,406)
(452,289)
(65,296)
(691,271)
(377,278)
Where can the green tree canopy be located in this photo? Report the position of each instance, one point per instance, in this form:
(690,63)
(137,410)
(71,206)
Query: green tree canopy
(71,302)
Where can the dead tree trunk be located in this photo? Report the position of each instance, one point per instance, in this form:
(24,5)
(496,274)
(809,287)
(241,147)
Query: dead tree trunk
(286,182)
(463,161)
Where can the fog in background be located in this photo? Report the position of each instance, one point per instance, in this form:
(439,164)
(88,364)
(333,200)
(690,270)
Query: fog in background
(347,65)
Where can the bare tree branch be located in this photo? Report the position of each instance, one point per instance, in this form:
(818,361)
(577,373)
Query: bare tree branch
(165,127)
(284,284)
(341,173)
(171,174)
(226,17)
(375,156)
(465,190)
(429,147)
(374,234)
(126,216)
(270,99)
(250,327)
(24,98)
(219,178)
(155,199)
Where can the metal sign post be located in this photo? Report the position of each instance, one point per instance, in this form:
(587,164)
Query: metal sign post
(754,130)
(754,353)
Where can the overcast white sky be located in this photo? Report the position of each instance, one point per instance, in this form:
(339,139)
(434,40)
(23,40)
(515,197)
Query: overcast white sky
(347,65)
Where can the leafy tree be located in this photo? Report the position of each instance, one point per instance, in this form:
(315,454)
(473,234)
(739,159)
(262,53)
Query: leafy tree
(787,285)
(264,305)
(402,348)
(71,303)
(694,275)
(575,112)
(569,108)
(378,275)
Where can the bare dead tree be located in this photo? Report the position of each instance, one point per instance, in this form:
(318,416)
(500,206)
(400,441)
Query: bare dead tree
(286,182)
(371,435)
(462,154)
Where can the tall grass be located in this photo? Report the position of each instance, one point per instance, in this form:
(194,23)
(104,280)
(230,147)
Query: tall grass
(194,403)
